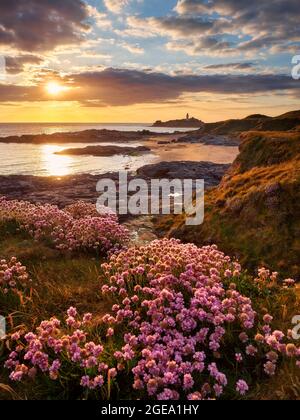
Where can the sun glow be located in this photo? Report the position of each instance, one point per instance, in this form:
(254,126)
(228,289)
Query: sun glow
(55,165)
(54,88)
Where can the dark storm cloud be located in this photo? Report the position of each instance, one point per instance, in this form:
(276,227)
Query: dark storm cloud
(16,65)
(114,87)
(35,25)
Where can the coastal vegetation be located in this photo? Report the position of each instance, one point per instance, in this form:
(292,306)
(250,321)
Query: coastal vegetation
(254,212)
(91,314)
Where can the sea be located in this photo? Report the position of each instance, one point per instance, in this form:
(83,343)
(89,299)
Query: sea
(42,160)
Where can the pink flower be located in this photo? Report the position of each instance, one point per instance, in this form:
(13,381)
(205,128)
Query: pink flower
(270,368)
(85,381)
(244,337)
(268,319)
(87,318)
(242,387)
(112,373)
(98,381)
(239,358)
(72,312)
(110,332)
(251,351)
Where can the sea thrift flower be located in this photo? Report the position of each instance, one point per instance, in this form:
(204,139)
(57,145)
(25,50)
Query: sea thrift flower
(79,227)
(188,381)
(272,357)
(239,358)
(251,351)
(14,278)
(174,320)
(242,387)
(289,283)
(268,319)
(270,368)
(244,337)
(49,339)
(110,332)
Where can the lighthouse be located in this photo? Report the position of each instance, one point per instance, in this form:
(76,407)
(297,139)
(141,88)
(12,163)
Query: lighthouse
(187,116)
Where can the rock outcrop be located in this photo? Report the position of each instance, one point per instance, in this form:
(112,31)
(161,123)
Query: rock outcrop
(105,151)
(212,173)
(87,136)
(184,123)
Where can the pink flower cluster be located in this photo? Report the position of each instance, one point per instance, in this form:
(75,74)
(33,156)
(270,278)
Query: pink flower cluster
(13,276)
(181,323)
(67,230)
(178,328)
(268,279)
(82,209)
(51,351)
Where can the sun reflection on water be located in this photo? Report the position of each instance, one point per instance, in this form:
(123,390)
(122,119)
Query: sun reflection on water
(56,165)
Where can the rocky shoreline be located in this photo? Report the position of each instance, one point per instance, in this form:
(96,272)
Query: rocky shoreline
(87,136)
(113,136)
(66,190)
(210,139)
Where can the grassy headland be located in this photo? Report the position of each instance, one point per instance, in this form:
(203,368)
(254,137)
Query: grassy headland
(254,213)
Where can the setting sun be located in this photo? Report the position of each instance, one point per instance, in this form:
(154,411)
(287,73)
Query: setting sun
(54,88)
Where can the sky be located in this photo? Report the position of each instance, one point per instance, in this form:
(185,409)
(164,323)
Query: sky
(144,60)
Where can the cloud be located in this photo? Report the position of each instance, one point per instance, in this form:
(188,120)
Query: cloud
(209,46)
(116,6)
(42,25)
(174,26)
(239,27)
(133,49)
(120,87)
(235,66)
(181,26)
(17,64)
(101,19)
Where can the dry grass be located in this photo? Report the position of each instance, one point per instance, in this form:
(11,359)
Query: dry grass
(255,213)
(58,283)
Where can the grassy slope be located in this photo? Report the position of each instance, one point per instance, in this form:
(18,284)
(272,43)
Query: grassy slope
(64,281)
(59,282)
(258,122)
(255,213)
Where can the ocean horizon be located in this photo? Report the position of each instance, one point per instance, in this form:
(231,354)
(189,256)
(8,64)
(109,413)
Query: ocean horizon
(19,129)
(43,160)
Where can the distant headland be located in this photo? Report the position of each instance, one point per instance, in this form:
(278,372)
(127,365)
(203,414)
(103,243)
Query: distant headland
(184,123)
